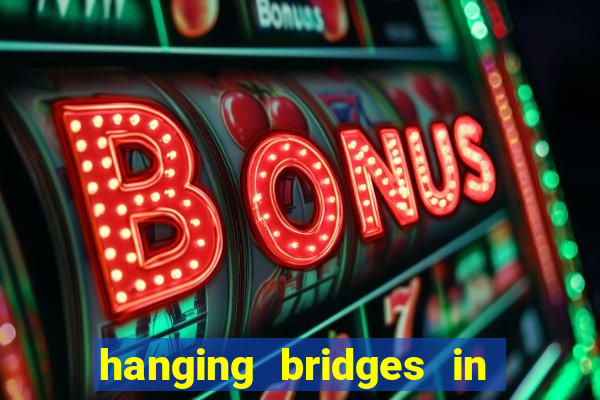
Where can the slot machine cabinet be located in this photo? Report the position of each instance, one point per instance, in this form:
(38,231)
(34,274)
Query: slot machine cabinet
(298,168)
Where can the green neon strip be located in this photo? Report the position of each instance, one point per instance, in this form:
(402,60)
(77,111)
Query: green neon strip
(205,395)
(479,30)
(568,249)
(364,326)
(472,11)
(477,26)
(400,395)
(532,115)
(566,383)
(596,377)
(559,213)
(575,284)
(524,92)
(542,148)
(159,20)
(439,395)
(234,395)
(550,179)
(366,27)
(444,308)
(569,378)
(356,53)
(537,373)
(243,9)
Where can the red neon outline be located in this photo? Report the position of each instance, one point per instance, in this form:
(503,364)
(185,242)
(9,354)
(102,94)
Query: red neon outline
(468,135)
(438,202)
(543,247)
(391,185)
(170,254)
(161,129)
(308,245)
(495,13)
(399,307)
(133,140)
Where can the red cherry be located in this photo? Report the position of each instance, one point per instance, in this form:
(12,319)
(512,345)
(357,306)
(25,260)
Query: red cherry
(335,18)
(446,96)
(234,79)
(285,114)
(267,304)
(194,18)
(244,116)
(404,105)
(425,89)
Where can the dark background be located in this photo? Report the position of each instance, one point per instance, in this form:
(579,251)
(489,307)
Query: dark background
(559,44)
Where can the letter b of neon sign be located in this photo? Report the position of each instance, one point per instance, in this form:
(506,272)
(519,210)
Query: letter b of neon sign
(119,205)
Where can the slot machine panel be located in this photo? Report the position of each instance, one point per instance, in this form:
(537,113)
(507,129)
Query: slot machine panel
(466,251)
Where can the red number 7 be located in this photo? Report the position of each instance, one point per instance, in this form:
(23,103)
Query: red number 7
(399,307)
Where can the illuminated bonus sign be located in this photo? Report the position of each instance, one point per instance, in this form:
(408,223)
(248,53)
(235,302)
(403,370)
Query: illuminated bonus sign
(120,205)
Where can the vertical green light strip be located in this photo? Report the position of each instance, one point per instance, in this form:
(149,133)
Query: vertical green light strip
(477,26)
(566,383)
(365,25)
(444,308)
(364,327)
(538,373)
(242,9)
(438,382)
(161,29)
(585,353)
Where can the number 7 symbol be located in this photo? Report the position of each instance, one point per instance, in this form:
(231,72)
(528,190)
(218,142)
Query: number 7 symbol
(399,307)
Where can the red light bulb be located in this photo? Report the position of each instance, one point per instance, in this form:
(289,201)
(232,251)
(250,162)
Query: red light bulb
(284,242)
(118,206)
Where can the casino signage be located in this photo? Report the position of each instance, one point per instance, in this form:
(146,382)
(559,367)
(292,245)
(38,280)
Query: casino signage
(285,16)
(119,204)
(381,172)
(328,20)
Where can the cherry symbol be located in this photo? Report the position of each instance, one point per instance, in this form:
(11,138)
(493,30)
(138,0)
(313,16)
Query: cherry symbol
(285,114)
(436,93)
(244,116)
(250,108)
(426,90)
(267,304)
(404,105)
(194,18)
(447,100)
(335,18)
